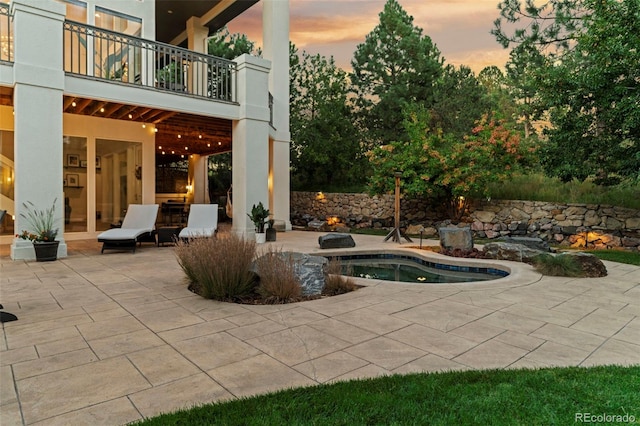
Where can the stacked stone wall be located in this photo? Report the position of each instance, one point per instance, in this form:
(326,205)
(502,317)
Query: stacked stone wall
(577,225)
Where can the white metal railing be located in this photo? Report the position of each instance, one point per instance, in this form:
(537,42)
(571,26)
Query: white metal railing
(102,54)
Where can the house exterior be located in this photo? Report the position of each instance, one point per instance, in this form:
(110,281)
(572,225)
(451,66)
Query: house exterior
(94,94)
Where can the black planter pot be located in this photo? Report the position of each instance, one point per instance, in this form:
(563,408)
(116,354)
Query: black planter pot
(46,251)
(271,234)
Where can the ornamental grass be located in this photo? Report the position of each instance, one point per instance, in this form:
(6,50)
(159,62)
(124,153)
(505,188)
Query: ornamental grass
(334,282)
(220,267)
(278,280)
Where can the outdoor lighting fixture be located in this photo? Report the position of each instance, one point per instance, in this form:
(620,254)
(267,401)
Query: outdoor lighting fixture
(73,104)
(101,109)
(130,116)
(395,232)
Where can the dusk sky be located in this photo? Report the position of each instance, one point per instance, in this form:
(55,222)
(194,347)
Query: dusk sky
(460,28)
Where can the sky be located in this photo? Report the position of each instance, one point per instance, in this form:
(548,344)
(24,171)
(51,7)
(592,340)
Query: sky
(459,28)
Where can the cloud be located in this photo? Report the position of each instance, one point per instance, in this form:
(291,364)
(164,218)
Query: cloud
(460,28)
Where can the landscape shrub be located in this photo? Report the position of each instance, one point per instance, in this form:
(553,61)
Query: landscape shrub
(218,268)
(334,282)
(278,280)
(557,266)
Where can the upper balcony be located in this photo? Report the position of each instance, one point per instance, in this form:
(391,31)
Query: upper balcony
(105,55)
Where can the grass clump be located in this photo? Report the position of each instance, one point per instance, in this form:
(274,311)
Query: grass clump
(218,268)
(278,280)
(334,281)
(557,266)
(490,397)
(538,187)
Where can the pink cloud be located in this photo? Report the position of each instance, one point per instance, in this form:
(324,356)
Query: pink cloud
(460,28)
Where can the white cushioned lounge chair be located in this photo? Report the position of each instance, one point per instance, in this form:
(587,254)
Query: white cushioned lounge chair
(202,221)
(138,226)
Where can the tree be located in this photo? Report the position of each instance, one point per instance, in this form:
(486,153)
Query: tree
(442,166)
(326,151)
(500,100)
(459,101)
(591,86)
(395,66)
(230,46)
(525,70)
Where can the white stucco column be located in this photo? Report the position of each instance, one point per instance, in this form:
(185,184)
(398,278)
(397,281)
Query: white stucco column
(275,28)
(198,179)
(39,82)
(196,41)
(250,162)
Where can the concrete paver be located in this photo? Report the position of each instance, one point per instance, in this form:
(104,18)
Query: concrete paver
(109,339)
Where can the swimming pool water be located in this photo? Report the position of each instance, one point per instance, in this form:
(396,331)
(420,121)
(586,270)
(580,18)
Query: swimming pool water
(412,269)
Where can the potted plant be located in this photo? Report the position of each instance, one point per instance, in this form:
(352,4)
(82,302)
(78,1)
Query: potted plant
(258,216)
(41,233)
(271,231)
(170,77)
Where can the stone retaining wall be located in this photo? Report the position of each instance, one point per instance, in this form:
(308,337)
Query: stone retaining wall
(598,226)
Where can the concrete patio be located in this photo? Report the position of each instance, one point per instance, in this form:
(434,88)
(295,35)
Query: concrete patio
(109,339)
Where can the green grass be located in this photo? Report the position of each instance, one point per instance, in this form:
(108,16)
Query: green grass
(537,187)
(620,256)
(495,397)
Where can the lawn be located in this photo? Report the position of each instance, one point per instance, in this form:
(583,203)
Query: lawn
(621,256)
(496,397)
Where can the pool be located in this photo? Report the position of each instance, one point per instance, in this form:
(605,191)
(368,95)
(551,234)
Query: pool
(412,269)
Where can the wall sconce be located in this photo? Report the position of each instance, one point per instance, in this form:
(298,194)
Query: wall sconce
(189,188)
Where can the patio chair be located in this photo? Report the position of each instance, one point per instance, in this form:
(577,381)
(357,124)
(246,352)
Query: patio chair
(138,226)
(202,221)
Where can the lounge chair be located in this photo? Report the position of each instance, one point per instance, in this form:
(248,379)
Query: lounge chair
(138,226)
(202,221)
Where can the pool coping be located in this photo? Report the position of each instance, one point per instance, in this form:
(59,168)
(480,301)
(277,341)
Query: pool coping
(520,274)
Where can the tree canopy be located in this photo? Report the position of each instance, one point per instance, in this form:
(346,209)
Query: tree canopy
(325,146)
(442,166)
(396,65)
(589,83)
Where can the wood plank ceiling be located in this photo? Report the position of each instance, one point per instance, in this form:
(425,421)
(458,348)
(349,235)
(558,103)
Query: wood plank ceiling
(178,134)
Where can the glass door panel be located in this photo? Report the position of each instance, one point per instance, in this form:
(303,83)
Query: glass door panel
(74,157)
(117,184)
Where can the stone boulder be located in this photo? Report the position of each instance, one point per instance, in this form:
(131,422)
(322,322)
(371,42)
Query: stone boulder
(452,238)
(510,251)
(310,271)
(592,266)
(534,243)
(336,240)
